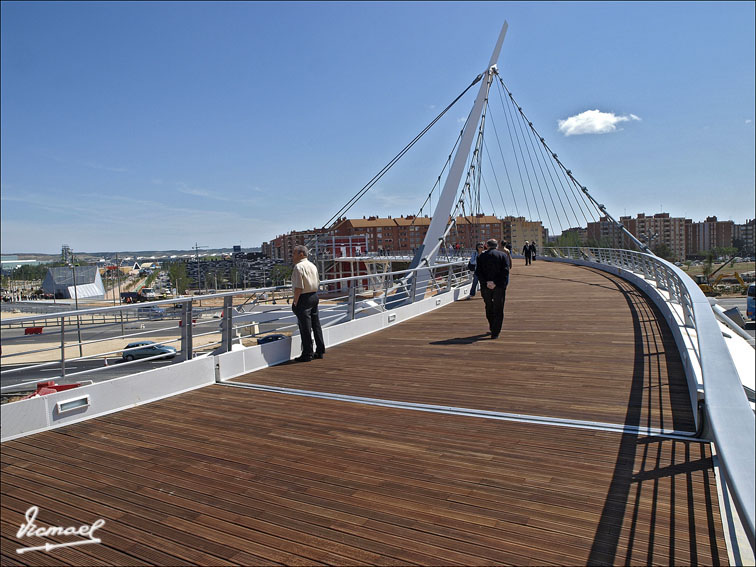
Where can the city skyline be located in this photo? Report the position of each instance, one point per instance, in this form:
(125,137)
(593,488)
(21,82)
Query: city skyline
(205,250)
(235,123)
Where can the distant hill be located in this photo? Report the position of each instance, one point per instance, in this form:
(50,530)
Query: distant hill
(94,256)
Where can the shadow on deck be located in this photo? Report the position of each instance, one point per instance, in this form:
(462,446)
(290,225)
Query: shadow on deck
(229,475)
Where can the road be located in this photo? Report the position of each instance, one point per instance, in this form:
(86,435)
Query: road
(27,378)
(90,332)
(21,374)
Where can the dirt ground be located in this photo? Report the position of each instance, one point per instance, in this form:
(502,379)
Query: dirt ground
(741,268)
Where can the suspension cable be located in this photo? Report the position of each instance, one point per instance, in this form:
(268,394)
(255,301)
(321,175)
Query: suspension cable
(438,180)
(496,178)
(493,209)
(551,196)
(527,172)
(563,169)
(397,157)
(566,171)
(544,158)
(514,152)
(506,169)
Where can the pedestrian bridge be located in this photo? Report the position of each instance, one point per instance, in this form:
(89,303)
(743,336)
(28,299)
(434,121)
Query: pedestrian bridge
(570,439)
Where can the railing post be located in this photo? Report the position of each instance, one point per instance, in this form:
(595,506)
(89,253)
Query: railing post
(656,274)
(413,288)
(352,301)
(687,307)
(186,330)
(449,278)
(674,290)
(644,263)
(62,347)
(385,291)
(663,284)
(228,327)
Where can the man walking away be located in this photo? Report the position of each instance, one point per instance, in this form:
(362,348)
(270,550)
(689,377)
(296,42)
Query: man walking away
(305,281)
(533,251)
(526,251)
(493,273)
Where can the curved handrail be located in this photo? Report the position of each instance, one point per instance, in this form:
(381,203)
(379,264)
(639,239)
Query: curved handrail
(729,415)
(190,298)
(334,311)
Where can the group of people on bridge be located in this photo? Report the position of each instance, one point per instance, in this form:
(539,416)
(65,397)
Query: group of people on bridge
(529,251)
(490,264)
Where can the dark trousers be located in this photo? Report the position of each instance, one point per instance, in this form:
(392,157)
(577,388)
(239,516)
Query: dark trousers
(527,259)
(474,284)
(494,300)
(308,318)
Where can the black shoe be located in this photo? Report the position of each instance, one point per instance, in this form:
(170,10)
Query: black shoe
(318,355)
(496,336)
(303,358)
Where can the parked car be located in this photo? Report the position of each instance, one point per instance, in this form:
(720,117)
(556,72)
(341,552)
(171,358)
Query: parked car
(147,349)
(270,339)
(153,312)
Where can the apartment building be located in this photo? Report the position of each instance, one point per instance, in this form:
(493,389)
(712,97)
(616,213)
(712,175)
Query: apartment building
(707,235)
(405,234)
(743,235)
(517,230)
(654,231)
(606,233)
(281,246)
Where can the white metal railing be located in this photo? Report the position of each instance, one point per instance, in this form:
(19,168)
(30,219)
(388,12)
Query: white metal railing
(71,344)
(728,415)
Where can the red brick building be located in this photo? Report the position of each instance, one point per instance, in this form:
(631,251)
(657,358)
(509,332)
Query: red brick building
(709,234)
(404,235)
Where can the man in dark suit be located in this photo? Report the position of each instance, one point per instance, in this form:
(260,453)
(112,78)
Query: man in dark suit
(493,274)
(527,251)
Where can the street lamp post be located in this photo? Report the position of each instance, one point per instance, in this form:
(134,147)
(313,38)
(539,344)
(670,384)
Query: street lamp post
(120,311)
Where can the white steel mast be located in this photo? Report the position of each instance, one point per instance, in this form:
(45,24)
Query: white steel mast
(426,254)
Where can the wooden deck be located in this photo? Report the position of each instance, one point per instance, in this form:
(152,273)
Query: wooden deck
(227,475)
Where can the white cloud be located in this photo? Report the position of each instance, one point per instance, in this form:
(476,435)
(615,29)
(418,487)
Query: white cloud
(593,122)
(95,165)
(749,121)
(195,192)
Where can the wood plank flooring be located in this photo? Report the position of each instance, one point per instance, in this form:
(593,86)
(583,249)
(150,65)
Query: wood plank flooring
(231,476)
(577,343)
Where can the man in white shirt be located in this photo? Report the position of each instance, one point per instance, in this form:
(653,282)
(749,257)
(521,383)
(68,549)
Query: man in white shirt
(305,281)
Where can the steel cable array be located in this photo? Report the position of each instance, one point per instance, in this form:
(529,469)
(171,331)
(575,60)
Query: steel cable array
(351,202)
(559,200)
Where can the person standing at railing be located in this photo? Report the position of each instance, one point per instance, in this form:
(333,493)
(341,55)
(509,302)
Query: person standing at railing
(527,251)
(472,264)
(493,272)
(304,282)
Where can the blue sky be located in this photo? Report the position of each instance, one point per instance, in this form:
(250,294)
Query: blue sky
(141,126)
